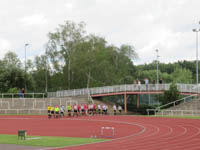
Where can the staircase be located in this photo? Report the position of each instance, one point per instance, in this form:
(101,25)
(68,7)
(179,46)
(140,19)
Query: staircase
(184,108)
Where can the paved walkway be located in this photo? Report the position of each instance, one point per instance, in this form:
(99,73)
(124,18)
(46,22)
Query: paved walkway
(19,147)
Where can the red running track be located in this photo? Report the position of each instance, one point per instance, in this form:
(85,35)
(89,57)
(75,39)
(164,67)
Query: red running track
(131,132)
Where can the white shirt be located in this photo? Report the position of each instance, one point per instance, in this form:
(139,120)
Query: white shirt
(99,106)
(119,107)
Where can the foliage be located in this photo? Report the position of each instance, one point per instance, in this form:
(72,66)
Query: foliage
(75,59)
(13,90)
(171,95)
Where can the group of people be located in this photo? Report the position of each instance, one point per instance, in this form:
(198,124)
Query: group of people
(115,108)
(77,110)
(146,82)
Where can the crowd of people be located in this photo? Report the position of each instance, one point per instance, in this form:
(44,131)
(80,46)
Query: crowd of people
(80,110)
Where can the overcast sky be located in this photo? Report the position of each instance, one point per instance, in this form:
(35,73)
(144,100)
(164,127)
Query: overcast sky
(148,25)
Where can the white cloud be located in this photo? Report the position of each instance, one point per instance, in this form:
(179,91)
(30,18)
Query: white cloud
(36,19)
(5,46)
(146,24)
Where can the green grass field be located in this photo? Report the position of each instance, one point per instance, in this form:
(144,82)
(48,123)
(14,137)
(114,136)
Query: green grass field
(46,141)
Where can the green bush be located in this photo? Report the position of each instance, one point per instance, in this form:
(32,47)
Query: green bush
(13,90)
(171,95)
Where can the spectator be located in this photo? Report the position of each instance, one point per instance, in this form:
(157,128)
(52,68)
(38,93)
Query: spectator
(153,84)
(139,85)
(146,81)
(23,92)
(20,94)
(135,83)
(160,81)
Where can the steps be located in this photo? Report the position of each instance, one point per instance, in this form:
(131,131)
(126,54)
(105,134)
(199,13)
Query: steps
(36,105)
(190,108)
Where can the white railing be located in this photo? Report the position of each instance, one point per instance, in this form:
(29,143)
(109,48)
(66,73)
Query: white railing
(23,111)
(173,104)
(22,95)
(191,88)
(178,113)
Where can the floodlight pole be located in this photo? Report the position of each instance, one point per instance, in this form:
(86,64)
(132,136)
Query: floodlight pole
(157,65)
(46,78)
(197,61)
(25,65)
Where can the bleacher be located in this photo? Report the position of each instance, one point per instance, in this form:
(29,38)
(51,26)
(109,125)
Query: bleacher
(36,105)
(183,108)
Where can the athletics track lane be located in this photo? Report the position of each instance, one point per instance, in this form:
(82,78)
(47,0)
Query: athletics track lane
(159,134)
(131,132)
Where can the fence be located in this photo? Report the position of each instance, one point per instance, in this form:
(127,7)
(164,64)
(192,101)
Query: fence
(191,88)
(178,113)
(174,103)
(23,111)
(22,95)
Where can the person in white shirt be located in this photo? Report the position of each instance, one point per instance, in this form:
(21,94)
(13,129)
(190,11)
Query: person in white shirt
(115,109)
(120,109)
(75,110)
(99,108)
(104,109)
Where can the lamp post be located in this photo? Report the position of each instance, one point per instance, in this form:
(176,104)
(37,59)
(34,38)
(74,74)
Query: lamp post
(157,65)
(46,78)
(197,62)
(25,65)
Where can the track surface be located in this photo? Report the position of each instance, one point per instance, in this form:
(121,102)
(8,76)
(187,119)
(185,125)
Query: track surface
(131,132)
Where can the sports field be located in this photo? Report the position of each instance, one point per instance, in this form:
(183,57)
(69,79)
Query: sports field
(130,132)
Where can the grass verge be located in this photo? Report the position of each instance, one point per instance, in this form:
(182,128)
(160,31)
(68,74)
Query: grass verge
(46,141)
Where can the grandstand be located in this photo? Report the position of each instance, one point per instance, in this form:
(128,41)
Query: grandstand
(36,105)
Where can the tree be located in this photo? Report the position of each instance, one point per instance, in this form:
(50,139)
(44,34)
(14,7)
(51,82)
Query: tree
(171,95)
(11,74)
(182,76)
(82,60)
(62,44)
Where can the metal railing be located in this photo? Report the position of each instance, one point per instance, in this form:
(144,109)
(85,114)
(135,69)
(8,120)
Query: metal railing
(191,88)
(178,113)
(23,111)
(22,95)
(174,103)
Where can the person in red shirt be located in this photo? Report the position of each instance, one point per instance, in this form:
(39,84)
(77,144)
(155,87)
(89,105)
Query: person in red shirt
(94,109)
(86,109)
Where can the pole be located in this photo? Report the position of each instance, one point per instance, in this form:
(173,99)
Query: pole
(157,66)
(25,66)
(46,79)
(197,62)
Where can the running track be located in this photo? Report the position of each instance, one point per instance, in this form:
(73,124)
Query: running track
(131,132)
